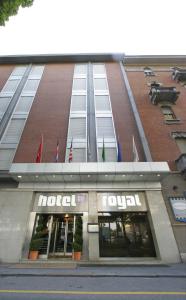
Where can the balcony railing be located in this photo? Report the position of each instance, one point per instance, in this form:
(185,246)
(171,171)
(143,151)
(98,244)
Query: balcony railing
(179,75)
(181,164)
(160,94)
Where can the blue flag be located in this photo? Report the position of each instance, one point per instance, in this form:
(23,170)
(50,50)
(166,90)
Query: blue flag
(119,156)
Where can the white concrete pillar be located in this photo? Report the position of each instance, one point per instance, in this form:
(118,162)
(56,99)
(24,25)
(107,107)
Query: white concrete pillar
(93,238)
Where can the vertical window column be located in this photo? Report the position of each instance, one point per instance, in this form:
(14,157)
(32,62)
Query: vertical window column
(13,131)
(105,130)
(77,129)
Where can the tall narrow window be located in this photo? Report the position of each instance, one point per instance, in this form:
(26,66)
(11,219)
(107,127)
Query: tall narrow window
(77,129)
(105,131)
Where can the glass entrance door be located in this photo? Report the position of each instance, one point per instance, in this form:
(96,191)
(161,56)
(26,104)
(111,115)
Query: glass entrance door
(61,236)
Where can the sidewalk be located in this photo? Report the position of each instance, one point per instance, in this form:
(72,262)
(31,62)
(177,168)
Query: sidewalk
(75,270)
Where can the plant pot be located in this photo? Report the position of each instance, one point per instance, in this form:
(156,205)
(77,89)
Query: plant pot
(33,254)
(76,255)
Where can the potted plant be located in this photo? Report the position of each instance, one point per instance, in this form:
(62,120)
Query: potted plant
(37,239)
(34,248)
(78,239)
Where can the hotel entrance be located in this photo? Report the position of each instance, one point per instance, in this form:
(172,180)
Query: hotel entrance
(54,234)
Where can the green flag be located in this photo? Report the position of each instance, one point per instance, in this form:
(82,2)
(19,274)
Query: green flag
(103,151)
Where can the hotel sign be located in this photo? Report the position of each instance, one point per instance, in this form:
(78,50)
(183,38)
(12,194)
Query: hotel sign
(60,202)
(121,201)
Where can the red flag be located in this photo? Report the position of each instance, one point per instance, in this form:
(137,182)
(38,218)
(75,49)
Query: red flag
(40,151)
(70,154)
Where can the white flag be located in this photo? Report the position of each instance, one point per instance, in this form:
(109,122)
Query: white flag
(135,152)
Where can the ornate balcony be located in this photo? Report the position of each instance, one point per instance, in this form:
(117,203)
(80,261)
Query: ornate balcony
(179,75)
(159,94)
(181,164)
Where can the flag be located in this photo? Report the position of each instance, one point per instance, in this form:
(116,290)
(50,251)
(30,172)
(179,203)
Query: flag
(103,151)
(57,152)
(40,151)
(135,152)
(119,156)
(70,154)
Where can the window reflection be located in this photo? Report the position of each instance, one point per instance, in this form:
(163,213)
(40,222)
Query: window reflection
(125,235)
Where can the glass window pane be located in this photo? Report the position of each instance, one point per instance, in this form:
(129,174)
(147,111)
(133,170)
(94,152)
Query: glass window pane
(80,69)
(102,102)
(14,131)
(4,102)
(110,154)
(79,84)
(31,85)
(6,157)
(19,71)
(24,104)
(11,86)
(78,103)
(78,155)
(100,84)
(36,71)
(99,69)
(77,128)
(105,128)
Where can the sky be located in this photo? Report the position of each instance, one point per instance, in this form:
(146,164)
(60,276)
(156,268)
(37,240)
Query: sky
(133,27)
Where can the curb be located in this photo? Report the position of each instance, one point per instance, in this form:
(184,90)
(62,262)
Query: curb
(91,275)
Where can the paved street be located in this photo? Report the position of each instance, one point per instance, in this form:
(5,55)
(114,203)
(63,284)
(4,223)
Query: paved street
(130,282)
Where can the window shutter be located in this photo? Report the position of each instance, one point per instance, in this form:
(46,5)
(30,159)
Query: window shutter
(102,103)
(77,128)
(24,104)
(6,157)
(78,103)
(105,128)
(13,133)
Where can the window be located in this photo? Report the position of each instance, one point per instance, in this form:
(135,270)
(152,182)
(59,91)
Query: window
(78,103)
(148,71)
(78,154)
(4,102)
(110,154)
(98,69)
(36,71)
(79,84)
(13,131)
(168,113)
(77,128)
(102,103)
(19,71)
(31,85)
(24,104)
(80,69)
(105,127)
(11,86)
(100,84)
(6,157)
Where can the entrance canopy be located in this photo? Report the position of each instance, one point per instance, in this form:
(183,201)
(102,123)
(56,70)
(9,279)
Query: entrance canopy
(89,172)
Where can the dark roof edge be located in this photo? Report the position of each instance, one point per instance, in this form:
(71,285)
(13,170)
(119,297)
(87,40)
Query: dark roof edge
(47,58)
(154,59)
